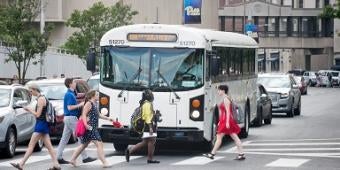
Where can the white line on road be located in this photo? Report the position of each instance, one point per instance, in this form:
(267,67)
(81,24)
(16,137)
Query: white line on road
(197,160)
(290,144)
(295,149)
(113,160)
(325,155)
(32,159)
(296,140)
(287,162)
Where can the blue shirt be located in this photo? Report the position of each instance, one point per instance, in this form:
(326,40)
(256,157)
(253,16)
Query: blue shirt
(70,99)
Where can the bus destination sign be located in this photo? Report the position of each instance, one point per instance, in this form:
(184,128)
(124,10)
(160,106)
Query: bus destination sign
(152,37)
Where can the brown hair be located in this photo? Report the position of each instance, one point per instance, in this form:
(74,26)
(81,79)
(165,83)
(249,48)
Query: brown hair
(224,88)
(68,81)
(89,95)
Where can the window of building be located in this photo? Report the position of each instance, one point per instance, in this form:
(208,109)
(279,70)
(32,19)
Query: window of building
(229,26)
(221,3)
(300,3)
(317,4)
(283,26)
(238,27)
(271,26)
(275,61)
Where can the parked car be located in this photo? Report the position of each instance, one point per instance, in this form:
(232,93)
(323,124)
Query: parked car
(310,78)
(264,107)
(3,82)
(54,90)
(335,78)
(284,92)
(302,84)
(296,72)
(325,78)
(16,124)
(93,82)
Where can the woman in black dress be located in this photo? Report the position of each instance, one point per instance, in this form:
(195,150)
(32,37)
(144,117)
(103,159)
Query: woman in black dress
(90,117)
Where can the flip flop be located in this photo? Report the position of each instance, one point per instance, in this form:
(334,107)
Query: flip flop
(16,165)
(209,155)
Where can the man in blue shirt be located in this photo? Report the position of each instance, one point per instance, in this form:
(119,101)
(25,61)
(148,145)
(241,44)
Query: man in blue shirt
(71,114)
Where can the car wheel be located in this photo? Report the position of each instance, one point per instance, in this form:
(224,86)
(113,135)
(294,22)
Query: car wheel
(38,147)
(120,147)
(258,121)
(297,111)
(268,120)
(11,142)
(291,112)
(245,130)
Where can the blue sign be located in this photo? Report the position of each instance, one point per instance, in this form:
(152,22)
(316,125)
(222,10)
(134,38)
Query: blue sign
(250,27)
(192,11)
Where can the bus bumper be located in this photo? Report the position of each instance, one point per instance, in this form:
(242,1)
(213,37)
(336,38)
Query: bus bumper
(126,136)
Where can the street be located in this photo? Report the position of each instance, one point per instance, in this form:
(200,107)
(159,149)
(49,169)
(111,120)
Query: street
(307,142)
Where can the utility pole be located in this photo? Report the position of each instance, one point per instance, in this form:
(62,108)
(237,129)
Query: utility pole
(42,27)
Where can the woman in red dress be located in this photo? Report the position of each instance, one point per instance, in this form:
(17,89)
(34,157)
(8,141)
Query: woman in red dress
(226,125)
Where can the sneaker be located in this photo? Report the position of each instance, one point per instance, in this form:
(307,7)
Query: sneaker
(127,155)
(153,162)
(62,161)
(89,159)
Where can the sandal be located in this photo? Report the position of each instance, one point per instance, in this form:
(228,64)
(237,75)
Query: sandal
(209,155)
(16,165)
(240,157)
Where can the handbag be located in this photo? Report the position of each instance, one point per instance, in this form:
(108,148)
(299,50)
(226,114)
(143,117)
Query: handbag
(80,128)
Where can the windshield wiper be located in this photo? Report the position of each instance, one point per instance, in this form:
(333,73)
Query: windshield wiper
(137,74)
(167,83)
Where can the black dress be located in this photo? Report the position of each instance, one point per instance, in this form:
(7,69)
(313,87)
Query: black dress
(93,121)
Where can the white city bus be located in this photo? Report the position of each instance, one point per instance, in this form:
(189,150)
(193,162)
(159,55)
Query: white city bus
(183,67)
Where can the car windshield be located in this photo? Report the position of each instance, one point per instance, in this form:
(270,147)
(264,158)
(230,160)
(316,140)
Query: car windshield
(335,74)
(5,96)
(275,82)
(160,69)
(53,91)
(93,84)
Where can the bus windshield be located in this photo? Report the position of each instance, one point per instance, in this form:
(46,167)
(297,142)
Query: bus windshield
(161,69)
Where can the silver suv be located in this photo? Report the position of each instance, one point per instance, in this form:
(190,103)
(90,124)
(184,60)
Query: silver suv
(284,92)
(16,124)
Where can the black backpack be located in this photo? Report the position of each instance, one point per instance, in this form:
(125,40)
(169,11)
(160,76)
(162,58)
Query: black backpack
(50,113)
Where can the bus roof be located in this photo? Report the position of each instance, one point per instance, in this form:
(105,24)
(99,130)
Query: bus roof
(186,37)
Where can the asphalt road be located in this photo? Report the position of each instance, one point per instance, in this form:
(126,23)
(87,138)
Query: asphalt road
(307,142)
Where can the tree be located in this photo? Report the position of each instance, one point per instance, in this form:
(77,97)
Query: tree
(331,11)
(23,40)
(93,23)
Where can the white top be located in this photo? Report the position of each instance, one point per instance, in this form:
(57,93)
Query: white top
(187,37)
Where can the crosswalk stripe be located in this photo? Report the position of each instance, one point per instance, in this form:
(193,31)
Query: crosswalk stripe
(325,155)
(282,162)
(197,160)
(290,144)
(296,140)
(32,159)
(113,160)
(294,149)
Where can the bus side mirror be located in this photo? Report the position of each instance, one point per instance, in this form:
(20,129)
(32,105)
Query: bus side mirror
(91,61)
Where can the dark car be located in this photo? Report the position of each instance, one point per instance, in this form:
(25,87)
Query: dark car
(54,90)
(264,107)
(296,72)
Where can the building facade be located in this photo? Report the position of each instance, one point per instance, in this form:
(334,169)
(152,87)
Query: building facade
(290,32)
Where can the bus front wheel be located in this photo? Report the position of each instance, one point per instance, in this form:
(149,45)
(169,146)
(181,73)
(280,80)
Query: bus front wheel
(245,130)
(120,147)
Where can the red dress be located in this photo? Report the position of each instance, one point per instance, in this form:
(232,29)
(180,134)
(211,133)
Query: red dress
(233,126)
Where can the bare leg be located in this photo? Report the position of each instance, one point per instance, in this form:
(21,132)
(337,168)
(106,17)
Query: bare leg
(138,146)
(218,143)
(237,142)
(151,147)
(100,152)
(34,139)
(48,145)
(77,152)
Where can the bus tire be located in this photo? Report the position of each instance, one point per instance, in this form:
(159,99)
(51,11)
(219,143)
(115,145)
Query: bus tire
(120,147)
(245,130)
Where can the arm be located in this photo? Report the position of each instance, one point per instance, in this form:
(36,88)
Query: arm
(226,102)
(41,103)
(71,102)
(86,110)
(105,117)
(74,107)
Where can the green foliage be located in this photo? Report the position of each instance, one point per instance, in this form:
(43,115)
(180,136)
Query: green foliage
(17,30)
(331,12)
(93,23)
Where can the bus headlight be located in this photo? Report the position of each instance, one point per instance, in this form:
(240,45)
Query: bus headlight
(104,111)
(195,114)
